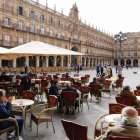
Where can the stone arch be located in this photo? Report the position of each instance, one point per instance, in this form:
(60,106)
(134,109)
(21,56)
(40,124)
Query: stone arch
(94,62)
(32,61)
(128,62)
(58,61)
(74,59)
(83,62)
(20,62)
(87,62)
(135,63)
(51,61)
(65,61)
(115,62)
(90,62)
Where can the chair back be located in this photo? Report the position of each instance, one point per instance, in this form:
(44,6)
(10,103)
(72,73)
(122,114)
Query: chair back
(28,94)
(124,100)
(75,131)
(119,99)
(119,83)
(69,97)
(67,125)
(80,131)
(106,84)
(137,92)
(115,108)
(53,101)
(122,138)
(84,89)
(94,88)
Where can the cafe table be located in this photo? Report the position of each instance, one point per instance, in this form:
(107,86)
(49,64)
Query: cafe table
(23,103)
(115,119)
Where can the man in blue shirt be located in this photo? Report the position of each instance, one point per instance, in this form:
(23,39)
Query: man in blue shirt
(6,112)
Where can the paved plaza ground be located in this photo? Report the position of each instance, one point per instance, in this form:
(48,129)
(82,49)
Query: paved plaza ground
(87,117)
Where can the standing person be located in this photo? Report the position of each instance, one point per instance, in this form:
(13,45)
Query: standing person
(102,69)
(116,69)
(26,69)
(119,70)
(69,68)
(98,70)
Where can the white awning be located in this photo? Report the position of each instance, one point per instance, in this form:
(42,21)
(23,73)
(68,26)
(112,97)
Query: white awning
(40,48)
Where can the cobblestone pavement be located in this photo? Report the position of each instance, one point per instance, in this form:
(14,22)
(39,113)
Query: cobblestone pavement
(87,117)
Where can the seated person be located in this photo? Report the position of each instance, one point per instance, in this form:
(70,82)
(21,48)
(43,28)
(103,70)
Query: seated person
(127,93)
(128,126)
(67,75)
(69,88)
(6,112)
(53,90)
(98,87)
(4,77)
(26,82)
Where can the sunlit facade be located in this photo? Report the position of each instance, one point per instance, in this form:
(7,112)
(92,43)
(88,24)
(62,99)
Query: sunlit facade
(23,21)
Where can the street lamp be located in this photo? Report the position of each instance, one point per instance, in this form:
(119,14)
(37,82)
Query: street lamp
(121,37)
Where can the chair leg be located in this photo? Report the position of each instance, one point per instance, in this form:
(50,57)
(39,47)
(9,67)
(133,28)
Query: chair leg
(31,124)
(37,131)
(87,104)
(53,127)
(47,124)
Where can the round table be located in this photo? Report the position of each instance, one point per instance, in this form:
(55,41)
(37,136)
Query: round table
(115,119)
(23,103)
(138,97)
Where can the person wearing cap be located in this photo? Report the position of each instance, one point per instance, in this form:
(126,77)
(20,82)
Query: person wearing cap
(128,126)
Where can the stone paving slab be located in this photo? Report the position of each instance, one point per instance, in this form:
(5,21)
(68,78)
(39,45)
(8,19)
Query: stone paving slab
(87,117)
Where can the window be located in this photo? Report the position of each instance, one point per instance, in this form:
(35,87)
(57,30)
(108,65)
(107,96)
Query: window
(42,30)
(42,18)
(7,21)
(20,11)
(20,25)
(135,54)
(59,23)
(20,40)
(51,20)
(32,28)
(32,14)
(7,38)
(128,54)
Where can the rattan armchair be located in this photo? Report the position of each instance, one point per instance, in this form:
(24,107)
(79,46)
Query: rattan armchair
(11,128)
(40,113)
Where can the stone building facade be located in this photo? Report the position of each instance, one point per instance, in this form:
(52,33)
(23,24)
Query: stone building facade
(22,21)
(130,51)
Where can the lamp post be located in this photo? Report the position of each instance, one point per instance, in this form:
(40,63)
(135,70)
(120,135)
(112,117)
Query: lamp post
(121,37)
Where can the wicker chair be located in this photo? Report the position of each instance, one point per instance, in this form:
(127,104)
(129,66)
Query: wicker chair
(40,113)
(14,127)
(122,138)
(84,95)
(106,86)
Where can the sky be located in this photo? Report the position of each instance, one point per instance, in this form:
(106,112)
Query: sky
(111,16)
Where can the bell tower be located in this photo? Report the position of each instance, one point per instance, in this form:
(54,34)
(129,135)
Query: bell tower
(74,12)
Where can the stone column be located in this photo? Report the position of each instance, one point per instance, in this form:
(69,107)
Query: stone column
(14,63)
(37,61)
(85,62)
(27,61)
(55,59)
(47,58)
(62,60)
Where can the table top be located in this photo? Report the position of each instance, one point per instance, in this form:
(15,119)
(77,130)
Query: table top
(138,97)
(115,119)
(23,102)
